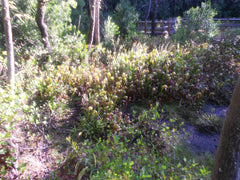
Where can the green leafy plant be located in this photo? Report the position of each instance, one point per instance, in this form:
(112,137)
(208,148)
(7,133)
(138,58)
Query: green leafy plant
(125,16)
(67,44)
(79,16)
(198,25)
(12,104)
(98,104)
(111,32)
(136,153)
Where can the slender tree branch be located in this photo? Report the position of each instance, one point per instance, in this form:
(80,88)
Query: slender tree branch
(41,8)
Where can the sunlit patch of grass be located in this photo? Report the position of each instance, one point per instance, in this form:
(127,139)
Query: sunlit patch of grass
(209,122)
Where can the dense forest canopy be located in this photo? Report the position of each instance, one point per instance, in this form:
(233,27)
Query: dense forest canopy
(143,8)
(120,10)
(165,9)
(173,8)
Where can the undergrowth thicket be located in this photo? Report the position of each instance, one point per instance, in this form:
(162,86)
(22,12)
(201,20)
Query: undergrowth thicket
(85,98)
(106,136)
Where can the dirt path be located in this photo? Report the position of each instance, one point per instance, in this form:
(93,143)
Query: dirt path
(202,142)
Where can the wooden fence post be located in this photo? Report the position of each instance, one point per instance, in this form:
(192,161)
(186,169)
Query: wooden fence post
(227,22)
(162,26)
(169,26)
(145,27)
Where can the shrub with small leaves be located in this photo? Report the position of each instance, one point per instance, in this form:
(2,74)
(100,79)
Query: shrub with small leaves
(125,17)
(111,32)
(198,26)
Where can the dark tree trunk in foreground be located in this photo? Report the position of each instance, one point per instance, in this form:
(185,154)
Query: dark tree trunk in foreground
(227,160)
(9,41)
(94,28)
(41,8)
(154,15)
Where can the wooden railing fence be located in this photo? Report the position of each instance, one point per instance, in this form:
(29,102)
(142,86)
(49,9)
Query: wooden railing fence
(167,26)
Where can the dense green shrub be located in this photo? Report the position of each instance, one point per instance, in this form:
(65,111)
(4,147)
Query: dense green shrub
(230,41)
(26,35)
(67,44)
(198,26)
(74,88)
(186,74)
(111,32)
(3,68)
(58,19)
(125,16)
(145,150)
(13,102)
(79,16)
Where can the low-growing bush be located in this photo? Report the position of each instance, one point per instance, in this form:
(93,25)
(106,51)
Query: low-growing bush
(111,32)
(13,102)
(188,75)
(198,26)
(103,93)
(126,17)
(146,151)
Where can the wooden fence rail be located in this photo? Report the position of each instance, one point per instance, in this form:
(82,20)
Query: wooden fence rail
(167,26)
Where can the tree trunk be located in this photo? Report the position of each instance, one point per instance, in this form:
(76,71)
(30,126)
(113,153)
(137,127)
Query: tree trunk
(148,10)
(94,28)
(92,23)
(154,14)
(9,42)
(41,8)
(97,21)
(227,160)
